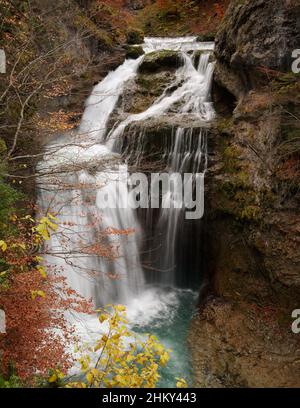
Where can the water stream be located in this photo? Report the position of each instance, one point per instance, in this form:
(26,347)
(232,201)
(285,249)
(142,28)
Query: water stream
(83,166)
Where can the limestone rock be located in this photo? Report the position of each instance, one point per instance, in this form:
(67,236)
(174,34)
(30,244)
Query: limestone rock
(134,52)
(160,60)
(258,33)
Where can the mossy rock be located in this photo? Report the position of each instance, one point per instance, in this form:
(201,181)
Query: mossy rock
(134,52)
(160,60)
(208,37)
(135,36)
(140,94)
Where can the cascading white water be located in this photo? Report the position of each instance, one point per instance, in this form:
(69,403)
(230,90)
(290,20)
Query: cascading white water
(188,151)
(187,155)
(77,166)
(103,99)
(192,87)
(184,44)
(80,167)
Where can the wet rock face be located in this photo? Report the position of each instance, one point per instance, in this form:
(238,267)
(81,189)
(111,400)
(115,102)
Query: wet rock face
(258,33)
(243,332)
(242,335)
(160,60)
(134,52)
(248,184)
(238,345)
(141,92)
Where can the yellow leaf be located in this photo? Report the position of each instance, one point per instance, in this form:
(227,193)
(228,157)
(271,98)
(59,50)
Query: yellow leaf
(120,308)
(60,374)
(53,378)
(3,246)
(129,357)
(43,231)
(89,378)
(103,317)
(181,383)
(35,293)
(51,225)
(164,358)
(42,271)
(84,364)
(38,258)
(159,349)
(52,217)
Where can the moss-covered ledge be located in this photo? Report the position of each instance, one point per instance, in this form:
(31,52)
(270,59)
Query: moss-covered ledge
(160,61)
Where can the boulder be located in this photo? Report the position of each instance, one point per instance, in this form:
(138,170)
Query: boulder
(208,37)
(254,34)
(134,36)
(160,61)
(134,52)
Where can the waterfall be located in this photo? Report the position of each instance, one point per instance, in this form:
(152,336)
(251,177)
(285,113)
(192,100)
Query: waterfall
(76,168)
(80,167)
(103,99)
(186,153)
(184,44)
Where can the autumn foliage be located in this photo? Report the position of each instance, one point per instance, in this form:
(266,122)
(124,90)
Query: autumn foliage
(120,358)
(181,17)
(37,332)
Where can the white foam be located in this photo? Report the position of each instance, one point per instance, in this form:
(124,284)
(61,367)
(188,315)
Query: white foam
(188,43)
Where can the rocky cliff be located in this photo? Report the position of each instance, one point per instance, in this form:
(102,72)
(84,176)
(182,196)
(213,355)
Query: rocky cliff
(242,334)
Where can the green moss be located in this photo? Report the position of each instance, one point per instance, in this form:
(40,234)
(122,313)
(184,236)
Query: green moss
(237,196)
(134,52)
(250,213)
(235,183)
(134,36)
(239,201)
(149,86)
(160,60)
(287,84)
(224,126)
(144,82)
(206,37)
(231,159)
(12,382)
